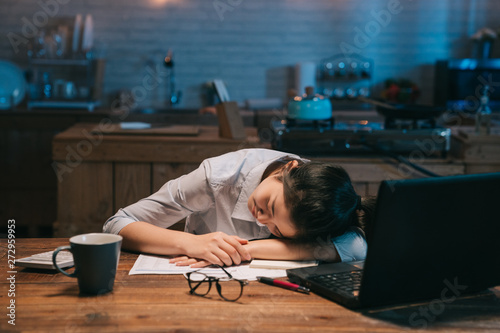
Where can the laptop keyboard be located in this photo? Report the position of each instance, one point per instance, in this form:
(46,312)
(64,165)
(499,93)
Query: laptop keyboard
(349,282)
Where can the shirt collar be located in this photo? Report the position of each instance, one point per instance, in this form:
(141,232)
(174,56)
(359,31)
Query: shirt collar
(251,182)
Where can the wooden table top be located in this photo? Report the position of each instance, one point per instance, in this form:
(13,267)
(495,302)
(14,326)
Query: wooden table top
(173,133)
(99,143)
(46,301)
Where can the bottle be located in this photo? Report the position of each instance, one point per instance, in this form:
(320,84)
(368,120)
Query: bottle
(46,86)
(483,115)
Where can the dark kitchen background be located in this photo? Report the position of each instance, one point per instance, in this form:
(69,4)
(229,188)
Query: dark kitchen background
(250,44)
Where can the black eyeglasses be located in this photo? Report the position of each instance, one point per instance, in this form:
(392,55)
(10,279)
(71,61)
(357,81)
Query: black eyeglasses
(200,285)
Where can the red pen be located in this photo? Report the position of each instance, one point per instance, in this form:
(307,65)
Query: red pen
(282,284)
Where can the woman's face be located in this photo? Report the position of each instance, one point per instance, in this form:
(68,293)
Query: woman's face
(267,205)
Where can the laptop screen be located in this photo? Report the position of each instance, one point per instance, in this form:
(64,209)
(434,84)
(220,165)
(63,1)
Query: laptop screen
(433,237)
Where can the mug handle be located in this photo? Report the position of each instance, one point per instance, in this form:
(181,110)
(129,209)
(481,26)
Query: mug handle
(54,256)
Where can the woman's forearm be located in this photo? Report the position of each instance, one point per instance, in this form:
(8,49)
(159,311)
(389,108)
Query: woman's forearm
(281,249)
(147,238)
(216,247)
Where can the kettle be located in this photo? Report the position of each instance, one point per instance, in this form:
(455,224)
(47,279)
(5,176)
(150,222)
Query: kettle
(310,106)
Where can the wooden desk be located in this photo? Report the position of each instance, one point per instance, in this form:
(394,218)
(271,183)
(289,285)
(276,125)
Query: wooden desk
(49,302)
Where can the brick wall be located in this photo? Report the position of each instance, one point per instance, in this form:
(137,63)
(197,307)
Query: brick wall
(250,43)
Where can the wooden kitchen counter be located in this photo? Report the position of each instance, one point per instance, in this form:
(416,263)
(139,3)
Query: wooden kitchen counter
(105,142)
(46,301)
(29,151)
(479,153)
(101,169)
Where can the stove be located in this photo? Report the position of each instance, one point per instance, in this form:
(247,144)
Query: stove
(414,138)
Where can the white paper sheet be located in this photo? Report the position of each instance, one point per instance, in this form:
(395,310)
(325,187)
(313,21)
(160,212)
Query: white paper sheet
(282,264)
(146,264)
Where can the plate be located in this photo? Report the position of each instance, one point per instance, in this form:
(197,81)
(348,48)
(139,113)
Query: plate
(12,85)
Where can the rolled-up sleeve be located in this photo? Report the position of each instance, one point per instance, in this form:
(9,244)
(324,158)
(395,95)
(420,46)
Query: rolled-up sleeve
(174,201)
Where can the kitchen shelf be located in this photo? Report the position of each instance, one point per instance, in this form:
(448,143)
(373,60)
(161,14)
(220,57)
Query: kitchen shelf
(344,78)
(61,62)
(50,79)
(90,106)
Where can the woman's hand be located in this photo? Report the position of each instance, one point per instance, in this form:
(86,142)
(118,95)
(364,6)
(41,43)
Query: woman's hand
(217,248)
(192,262)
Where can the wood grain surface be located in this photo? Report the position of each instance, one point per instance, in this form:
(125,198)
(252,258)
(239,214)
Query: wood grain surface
(50,302)
(116,129)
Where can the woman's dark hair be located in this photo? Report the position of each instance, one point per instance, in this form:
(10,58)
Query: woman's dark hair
(322,200)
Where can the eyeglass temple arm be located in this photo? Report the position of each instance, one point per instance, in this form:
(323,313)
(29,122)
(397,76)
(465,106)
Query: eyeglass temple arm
(229,274)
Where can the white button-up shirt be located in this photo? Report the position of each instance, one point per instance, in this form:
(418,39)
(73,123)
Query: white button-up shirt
(212,198)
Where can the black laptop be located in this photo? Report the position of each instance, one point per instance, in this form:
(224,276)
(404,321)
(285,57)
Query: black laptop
(432,238)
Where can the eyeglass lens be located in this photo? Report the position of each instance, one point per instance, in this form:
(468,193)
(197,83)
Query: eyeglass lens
(229,289)
(199,283)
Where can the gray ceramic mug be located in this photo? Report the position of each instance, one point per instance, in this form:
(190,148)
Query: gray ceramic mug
(96,257)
